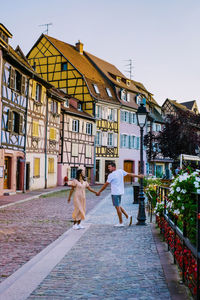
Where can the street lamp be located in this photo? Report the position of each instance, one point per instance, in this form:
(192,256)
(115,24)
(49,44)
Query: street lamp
(141,120)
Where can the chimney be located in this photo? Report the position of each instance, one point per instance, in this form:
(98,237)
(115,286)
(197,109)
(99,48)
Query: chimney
(79,47)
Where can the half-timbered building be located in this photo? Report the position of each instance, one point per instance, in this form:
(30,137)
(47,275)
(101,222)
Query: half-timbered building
(68,68)
(30,124)
(127,94)
(77,132)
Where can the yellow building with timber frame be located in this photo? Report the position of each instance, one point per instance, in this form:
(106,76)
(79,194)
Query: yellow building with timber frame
(69,69)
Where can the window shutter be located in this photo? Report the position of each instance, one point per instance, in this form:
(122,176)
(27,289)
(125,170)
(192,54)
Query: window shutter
(115,139)
(94,129)
(70,124)
(105,113)
(83,127)
(74,149)
(130,117)
(80,126)
(21,124)
(128,97)
(12,78)
(43,94)
(36,167)
(10,117)
(138,143)
(59,108)
(129,141)
(115,115)
(23,85)
(104,139)
(34,89)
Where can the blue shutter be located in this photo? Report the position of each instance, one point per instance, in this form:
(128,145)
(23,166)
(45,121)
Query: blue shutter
(121,140)
(130,117)
(129,141)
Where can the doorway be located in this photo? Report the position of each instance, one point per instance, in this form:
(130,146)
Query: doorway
(129,168)
(7,172)
(27,176)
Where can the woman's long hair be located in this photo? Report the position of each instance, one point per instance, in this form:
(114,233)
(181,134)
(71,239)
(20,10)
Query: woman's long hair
(78,174)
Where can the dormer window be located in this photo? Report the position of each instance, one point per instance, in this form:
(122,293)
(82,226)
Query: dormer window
(79,106)
(118,79)
(128,83)
(108,92)
(96,89)
(66,104)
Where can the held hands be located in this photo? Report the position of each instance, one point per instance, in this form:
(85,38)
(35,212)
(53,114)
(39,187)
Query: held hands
(98,193)
(69,199)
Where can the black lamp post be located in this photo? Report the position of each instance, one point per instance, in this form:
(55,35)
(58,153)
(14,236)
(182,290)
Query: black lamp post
(141,119)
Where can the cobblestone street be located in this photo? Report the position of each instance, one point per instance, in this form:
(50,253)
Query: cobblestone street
(27,228)
(98,262)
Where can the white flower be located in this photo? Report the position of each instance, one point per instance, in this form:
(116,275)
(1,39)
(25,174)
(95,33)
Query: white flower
(198,191)
(183,191)
(178,189)
(177,212)
(198,179)
(178,198)
(196,184)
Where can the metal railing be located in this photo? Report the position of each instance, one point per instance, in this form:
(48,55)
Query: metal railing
(185,254)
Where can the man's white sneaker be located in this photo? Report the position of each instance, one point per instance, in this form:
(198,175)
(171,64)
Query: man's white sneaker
(76,227)
(119,225)
(81,226)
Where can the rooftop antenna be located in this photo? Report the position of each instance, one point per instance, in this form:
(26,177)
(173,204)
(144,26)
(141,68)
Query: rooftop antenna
(130,68)
(47,29)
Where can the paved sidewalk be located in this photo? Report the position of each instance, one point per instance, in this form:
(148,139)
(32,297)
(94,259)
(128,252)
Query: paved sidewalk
(98,262)
(6,201)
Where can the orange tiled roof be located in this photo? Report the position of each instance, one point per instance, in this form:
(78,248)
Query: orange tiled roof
(111,72)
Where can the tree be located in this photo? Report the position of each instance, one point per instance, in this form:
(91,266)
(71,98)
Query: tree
(180,134)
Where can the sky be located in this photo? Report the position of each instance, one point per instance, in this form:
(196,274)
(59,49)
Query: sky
(161,37)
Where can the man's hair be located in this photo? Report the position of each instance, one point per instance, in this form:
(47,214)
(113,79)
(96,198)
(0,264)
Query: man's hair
(112,164)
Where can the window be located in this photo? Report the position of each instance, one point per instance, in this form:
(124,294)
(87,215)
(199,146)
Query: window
(55,107)
(98,138)
(66,104)
(110,114)
(132,141)
(18,79)
(96,89)
(89,128)
(36,167)
(73,172)
(110,139)
(64,66)
(128,82)
(35,129)
(124,141)
(75,125)
(15,122)
(158,127)
(126,116)
(79,106)
(98,112)
(108,92)
(52,134)
(123,95)
(118,79)
(38,93)
(51,165)
(88,151)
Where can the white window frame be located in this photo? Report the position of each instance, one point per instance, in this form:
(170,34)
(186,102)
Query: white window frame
(110,141)
(98,112)
(109,92)
(98,138)
(96,89)
(110,114)
(89,128)
(75,125)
